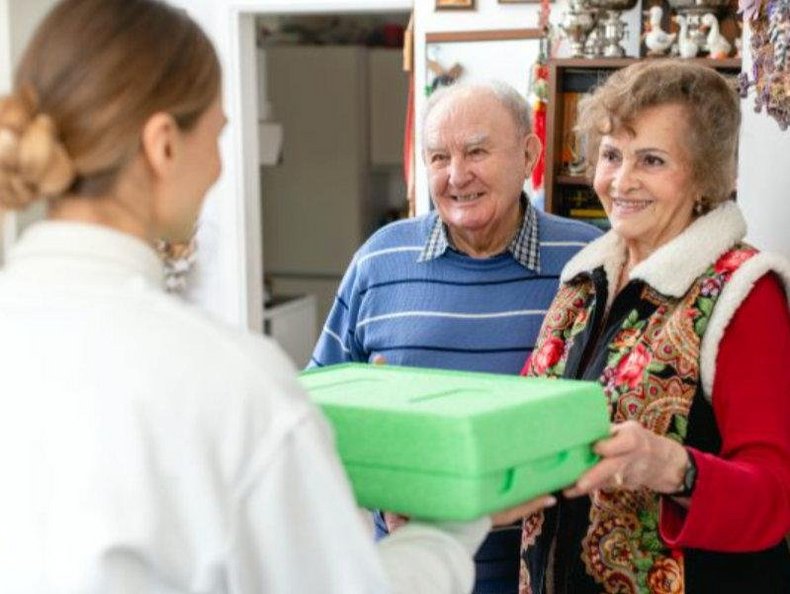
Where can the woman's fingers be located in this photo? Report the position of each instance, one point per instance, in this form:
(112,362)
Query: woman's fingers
(624,439)
(608,473)
(615,452)
(633,457)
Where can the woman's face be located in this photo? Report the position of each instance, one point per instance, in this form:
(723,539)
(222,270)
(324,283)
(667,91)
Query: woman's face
(644,179)
(198,167)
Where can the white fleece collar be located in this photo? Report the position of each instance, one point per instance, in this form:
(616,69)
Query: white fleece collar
(673,267)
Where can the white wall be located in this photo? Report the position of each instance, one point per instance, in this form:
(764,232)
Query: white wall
(507,61)
(5,84)
(764,174)
(18,20)
(23,17)
(6,62)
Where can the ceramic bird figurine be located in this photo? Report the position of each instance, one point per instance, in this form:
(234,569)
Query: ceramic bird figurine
(657,40)
(687,47)
(718,46)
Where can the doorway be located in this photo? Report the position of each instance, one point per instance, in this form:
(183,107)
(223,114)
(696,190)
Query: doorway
(332,100)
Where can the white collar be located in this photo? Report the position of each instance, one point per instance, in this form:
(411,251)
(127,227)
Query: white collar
(83,245)
(673,267)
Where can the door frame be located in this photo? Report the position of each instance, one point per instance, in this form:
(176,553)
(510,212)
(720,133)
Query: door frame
(228,278)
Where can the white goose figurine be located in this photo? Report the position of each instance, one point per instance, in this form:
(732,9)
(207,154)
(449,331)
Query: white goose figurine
(657,40)
(687,47)
(718,46)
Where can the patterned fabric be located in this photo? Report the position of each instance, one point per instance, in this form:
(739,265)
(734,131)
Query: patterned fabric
(648,365)
(524,247)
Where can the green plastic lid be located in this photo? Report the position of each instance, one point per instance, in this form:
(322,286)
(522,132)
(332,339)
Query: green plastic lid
(455,445)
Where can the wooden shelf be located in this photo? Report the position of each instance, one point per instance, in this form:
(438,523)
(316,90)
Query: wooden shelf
(617,63)
(725,64)
(485,35)
(593,63)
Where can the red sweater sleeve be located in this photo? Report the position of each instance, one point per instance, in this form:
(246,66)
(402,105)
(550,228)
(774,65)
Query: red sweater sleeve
(741,500)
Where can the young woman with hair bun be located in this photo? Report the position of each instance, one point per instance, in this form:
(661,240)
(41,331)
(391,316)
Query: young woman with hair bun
(144,446)
(33,162)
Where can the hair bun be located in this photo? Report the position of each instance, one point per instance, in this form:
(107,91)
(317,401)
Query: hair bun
(33,162)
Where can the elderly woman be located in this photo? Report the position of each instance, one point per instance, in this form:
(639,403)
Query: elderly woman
(687,329)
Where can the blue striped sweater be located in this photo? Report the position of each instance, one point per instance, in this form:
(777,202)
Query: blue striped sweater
(452,312)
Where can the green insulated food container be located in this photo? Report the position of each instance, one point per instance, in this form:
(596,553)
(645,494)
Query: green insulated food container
(451,445)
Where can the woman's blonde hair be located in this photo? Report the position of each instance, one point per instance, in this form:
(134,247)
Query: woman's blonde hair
(712,109)
(92,75)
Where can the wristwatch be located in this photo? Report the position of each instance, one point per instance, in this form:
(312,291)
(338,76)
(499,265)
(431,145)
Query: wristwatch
(689,478)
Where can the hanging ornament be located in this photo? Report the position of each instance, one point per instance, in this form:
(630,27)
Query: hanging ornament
(539,95)
(770,45)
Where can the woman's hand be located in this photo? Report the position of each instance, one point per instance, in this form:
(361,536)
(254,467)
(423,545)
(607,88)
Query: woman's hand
(508,516)
(634,457)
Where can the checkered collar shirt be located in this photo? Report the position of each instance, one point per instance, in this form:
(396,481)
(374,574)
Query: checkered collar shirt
(524,247)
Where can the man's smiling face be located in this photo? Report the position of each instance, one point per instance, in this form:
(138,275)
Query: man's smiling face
(477,164)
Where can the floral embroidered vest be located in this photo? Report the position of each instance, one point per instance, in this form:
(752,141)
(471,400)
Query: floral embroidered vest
(651,374)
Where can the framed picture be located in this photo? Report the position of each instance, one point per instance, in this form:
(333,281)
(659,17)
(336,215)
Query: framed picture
(455,4)
(521,1)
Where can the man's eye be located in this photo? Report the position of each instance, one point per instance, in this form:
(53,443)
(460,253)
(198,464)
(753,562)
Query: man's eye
(609,155)
(438,158)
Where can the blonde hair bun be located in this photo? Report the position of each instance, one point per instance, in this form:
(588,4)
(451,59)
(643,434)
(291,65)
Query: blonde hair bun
(33,162)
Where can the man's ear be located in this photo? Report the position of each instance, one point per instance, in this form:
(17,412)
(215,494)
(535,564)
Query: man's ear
(159,143)
(532,148)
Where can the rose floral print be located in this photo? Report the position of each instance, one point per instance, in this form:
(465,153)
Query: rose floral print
(650,373)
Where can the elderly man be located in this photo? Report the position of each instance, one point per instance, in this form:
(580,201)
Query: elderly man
(465,286)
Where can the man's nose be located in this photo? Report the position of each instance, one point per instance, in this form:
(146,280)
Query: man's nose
(460,173)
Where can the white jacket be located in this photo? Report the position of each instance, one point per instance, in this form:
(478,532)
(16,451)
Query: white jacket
(147,448)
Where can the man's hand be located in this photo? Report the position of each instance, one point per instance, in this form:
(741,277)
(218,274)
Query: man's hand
(394,521)
(508,516)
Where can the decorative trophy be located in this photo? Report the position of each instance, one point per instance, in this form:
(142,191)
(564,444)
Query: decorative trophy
(575,24)
(613,28)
